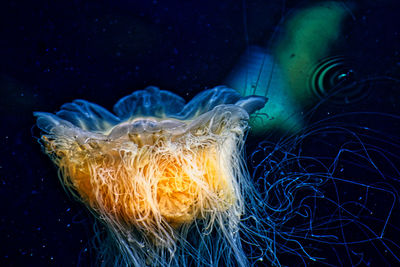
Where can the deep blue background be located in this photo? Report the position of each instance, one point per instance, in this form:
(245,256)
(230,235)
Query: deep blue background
(52,52)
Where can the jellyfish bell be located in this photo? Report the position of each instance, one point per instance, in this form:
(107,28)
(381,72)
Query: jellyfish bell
(157,168)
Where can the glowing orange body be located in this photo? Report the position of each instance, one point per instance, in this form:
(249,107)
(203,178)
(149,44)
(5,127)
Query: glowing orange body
(165,178)
(149,183)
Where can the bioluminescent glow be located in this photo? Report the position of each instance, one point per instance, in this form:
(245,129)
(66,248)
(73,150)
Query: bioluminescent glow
(170,183)
(284,72)
(166,178)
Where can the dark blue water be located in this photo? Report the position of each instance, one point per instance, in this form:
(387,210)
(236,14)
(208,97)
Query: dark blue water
(55,52)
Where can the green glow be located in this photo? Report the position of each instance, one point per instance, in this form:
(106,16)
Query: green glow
(309,36)
(258,74)
(283,75)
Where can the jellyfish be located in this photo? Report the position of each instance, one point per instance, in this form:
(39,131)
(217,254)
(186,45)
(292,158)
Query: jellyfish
(171,185)
(166,178)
